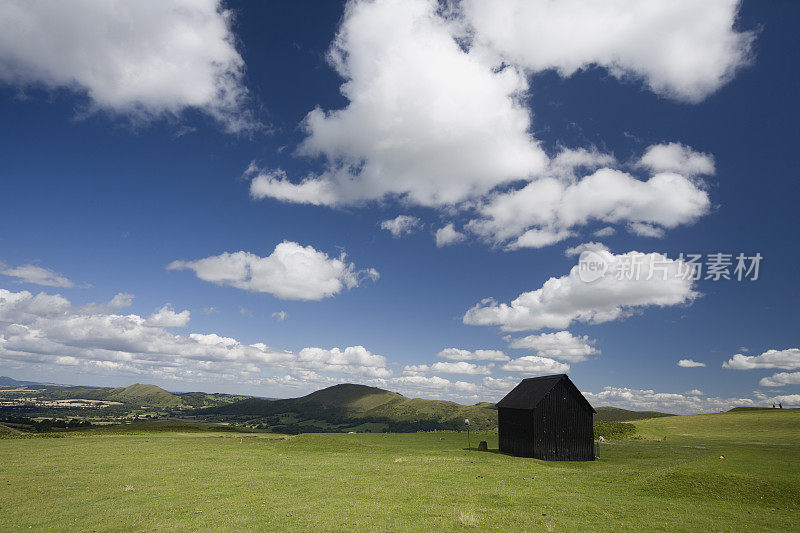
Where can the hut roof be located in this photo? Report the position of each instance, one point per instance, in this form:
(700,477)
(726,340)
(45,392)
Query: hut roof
(531,391)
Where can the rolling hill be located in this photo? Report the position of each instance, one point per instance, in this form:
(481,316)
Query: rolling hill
(343,407)
(144,395)
(615,414)
(6,381)
(351,407)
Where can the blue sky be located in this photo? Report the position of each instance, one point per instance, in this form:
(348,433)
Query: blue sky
(140,137)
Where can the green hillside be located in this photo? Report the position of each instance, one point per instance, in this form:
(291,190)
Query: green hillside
(348,407)
(615,414)
(5,430)
(144,395)
(343,407)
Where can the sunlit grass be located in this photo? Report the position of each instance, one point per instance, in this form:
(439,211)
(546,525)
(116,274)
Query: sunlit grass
(183,479)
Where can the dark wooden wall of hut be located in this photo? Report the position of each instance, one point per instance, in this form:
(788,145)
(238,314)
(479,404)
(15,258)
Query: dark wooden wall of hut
(558,429)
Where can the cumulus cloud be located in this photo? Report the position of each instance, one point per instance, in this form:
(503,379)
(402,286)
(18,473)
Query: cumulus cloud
(458,367)
(631,281)
(423,383)
(681,49)
(533,364)
(457,354)
(780,379)
(166,317)
(561,345)
(547,210)
(401,225)
(678,158)
(437,116)
(47,330)
(351,360)
(36,275)
(788,359)
(489,388)
(290,272)
(503,385)
(690,363)
(143,59)
(669,402)
(426,120)
(119,301)
(448,235)
(585,247)
(24,307)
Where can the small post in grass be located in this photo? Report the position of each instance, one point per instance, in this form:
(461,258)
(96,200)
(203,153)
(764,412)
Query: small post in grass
(466,421)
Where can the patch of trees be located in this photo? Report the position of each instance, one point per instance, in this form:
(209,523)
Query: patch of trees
(47,424)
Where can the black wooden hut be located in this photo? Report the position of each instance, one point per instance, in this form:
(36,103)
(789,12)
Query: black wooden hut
(546,418)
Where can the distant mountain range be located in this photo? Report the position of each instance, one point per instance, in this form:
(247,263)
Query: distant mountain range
(6,381)
(350,407)
(345,407)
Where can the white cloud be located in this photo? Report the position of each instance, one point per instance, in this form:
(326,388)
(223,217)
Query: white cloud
(561,301)
(23,306)
(643,229)
(690,363)
(423,382)
(548,209)
(46,329)
(648,399)
(280,316)
(166,317)
(533,364)
(682,49)
(584,247)
(503,385)
(437,118)
(274,183)
(678,158)
(143,59)
(119,301)
(290,272)
(458,367)
(36,275)
(788,359)
(426,120)
(437,115)
(605,232)
(351,360)
(401,225)
(780,379)
(695,392)
(457,354)
(538,238)
(559,345)
(448,235)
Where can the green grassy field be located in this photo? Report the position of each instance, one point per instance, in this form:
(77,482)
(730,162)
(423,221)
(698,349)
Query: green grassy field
(671,477)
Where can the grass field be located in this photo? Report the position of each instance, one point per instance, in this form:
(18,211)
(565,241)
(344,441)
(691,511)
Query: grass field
(671,477)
